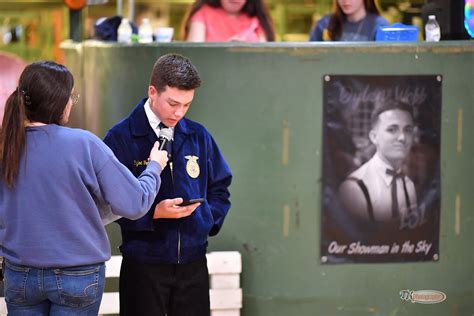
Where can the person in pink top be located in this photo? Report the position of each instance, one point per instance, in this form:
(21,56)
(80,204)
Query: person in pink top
(11,67)
(228,20)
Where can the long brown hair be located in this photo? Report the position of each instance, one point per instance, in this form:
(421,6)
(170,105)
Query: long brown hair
(43,91)
(251,8)
(338,17)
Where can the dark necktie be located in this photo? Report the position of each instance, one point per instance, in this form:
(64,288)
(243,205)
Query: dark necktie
(395,176)
(161,125)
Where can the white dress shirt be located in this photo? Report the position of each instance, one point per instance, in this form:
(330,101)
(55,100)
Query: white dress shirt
(379,185)
(153,119)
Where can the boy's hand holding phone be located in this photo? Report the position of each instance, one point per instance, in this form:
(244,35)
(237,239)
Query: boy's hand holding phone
(189,202)
(176,208)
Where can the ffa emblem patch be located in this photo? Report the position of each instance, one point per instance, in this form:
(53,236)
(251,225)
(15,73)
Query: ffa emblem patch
(192,167)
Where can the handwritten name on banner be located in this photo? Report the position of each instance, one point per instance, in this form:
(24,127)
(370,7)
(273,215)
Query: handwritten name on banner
(413,96)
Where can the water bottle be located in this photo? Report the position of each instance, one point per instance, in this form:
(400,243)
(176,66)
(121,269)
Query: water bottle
(124,32)
(432,30)
(145,32)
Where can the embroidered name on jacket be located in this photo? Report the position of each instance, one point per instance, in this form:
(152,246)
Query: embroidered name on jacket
(137,163)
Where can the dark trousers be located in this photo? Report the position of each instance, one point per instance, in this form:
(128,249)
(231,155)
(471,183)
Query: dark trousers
(164,289)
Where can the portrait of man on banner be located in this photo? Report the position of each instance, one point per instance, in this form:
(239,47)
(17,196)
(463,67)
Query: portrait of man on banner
(380,190)
(381,180)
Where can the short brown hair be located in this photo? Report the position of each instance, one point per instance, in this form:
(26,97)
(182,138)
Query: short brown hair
(175,71)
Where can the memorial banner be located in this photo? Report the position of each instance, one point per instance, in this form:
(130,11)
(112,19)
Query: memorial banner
(381,185)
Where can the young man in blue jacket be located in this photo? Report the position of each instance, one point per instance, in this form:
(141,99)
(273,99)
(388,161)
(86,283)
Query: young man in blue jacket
(164,269)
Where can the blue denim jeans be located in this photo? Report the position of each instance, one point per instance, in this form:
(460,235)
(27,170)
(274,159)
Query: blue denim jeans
(60,291)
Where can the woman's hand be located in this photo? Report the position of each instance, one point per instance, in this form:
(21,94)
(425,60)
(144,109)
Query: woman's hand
(160,156)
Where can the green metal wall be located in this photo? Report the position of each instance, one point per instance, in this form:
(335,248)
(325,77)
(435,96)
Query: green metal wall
(263,104)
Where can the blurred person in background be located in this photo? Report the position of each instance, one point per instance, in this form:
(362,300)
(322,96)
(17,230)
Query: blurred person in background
(351,20)
(228,20)
(10,70)
(52,179)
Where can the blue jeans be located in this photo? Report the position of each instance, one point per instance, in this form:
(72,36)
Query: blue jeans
(62,291)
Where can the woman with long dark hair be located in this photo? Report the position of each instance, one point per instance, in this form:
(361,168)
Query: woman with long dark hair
(228,20)
(52,179)
(351,20)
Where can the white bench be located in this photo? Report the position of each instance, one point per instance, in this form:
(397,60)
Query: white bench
(224,280)
(3,307)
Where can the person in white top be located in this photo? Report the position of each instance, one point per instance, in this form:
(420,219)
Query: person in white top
(379,190)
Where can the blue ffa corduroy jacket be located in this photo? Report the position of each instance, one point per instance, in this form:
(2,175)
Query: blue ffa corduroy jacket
(173,240)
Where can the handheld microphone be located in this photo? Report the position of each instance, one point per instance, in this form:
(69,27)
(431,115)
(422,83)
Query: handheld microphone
(164,136)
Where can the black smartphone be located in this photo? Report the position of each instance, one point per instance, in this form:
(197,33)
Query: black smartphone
(192,201)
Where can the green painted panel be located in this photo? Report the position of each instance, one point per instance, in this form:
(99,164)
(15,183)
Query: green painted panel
(251,95)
